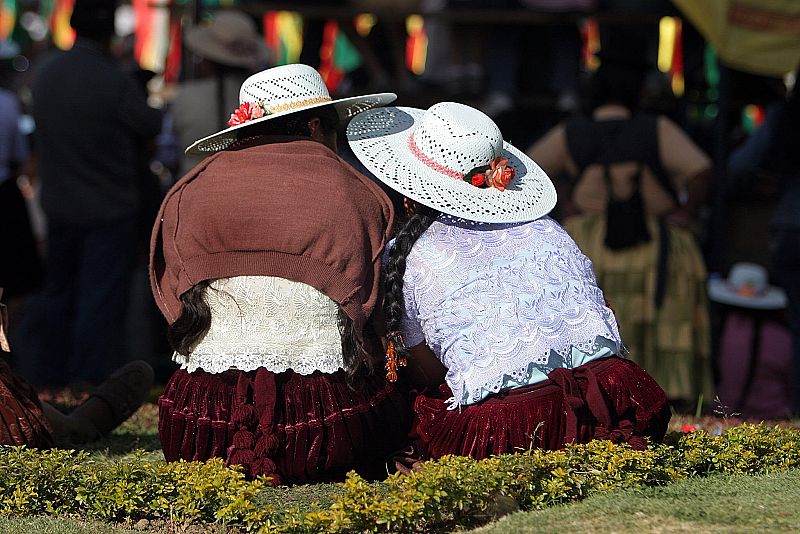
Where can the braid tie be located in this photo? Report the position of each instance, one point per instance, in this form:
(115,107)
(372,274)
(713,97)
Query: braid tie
(393,306)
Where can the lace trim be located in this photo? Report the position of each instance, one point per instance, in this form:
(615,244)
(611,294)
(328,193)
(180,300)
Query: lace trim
(250,359)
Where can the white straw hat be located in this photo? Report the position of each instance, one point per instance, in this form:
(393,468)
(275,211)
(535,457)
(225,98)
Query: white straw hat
(426,156)
(280,91)
(747,287)
(230,39)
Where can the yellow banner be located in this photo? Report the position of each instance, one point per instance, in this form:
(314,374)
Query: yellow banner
(756,36)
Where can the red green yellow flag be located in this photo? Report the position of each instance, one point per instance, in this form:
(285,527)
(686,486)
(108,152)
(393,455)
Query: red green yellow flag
(8,18)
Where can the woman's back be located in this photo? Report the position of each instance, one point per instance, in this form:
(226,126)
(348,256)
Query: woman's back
(502,305)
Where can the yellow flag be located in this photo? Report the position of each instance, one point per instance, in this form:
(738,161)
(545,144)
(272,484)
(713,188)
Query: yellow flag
(755,36)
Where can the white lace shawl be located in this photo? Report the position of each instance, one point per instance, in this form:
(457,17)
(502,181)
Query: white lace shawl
(270,322)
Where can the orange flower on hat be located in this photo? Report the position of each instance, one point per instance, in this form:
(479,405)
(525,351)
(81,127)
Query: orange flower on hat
(499,174)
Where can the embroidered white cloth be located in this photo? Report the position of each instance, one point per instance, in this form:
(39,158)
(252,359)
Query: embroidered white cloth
(270,322)
(502,305)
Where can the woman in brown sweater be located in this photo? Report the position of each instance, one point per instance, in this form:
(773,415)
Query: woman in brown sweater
(265,260)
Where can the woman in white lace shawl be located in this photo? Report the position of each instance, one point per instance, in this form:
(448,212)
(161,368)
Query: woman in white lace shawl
(490,300)
(265,260)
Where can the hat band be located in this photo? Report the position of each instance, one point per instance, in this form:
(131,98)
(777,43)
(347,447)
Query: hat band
(420,155)
(298,104)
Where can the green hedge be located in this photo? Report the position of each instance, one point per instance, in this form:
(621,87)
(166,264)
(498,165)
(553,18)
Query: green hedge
(450,492)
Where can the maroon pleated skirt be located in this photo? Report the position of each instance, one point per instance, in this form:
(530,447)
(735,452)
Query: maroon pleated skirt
(292,427)
(21,418)
(610,398)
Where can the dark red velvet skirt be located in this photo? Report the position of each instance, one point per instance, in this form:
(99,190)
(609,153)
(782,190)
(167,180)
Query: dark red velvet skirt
(21,418)
(611,398)
(291,427)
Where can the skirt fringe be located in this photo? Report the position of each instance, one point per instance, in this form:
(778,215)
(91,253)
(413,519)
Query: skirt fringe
(21,418)
(611,398)
(288,426)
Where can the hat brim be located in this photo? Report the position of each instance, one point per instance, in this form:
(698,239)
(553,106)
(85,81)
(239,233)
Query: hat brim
(345,108)
(379,138)
(198,40)
(772,299)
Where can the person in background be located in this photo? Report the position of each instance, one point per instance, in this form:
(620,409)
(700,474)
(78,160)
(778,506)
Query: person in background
(635,185)
(26,420)
(490,300)
(24,273)
(227,50)
(785,225)
(265,261)
(90,122)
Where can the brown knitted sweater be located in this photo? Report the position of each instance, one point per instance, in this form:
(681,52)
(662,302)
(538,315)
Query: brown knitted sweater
(290,208)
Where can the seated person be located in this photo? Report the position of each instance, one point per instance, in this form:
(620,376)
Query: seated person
(26,420)
(265,260)
(486,293)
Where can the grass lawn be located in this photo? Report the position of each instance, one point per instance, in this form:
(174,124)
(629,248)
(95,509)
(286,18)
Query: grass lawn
(766,503)
(717,504)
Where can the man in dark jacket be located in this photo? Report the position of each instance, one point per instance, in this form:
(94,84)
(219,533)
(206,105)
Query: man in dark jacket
(90,120)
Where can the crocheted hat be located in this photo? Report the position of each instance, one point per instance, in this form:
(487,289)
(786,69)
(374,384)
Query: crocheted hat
(452,158)
(280,91)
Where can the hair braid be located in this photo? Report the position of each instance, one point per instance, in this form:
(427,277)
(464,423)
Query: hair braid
(194,321)
(393,308)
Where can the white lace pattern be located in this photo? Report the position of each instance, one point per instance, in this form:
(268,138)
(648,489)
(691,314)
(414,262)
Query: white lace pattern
(504,303)
(270,322)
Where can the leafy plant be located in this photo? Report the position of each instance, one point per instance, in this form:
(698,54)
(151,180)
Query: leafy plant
(444,494)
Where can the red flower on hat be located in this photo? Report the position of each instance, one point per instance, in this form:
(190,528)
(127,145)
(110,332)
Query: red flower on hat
(246,112)
(478,179)
(499,174)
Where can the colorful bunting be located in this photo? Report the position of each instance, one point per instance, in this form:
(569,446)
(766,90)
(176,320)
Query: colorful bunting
(416,44)
(8,18)
(283,33)
(152,36)
(63,34)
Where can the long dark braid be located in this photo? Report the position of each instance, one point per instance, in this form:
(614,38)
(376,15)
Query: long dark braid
(393,307)
(194,321)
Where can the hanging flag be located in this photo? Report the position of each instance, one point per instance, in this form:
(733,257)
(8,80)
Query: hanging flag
(670,52)
(283,33)
(327,68)
(590,37)
(172,64)
(151,38)
(8,18)
(676,72)
(63,34)
(337,56)
(755,36)
(416,44)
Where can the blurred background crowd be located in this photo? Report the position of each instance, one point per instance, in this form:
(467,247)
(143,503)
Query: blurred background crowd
(708,309)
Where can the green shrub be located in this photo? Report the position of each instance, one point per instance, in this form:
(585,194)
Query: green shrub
(444,494)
